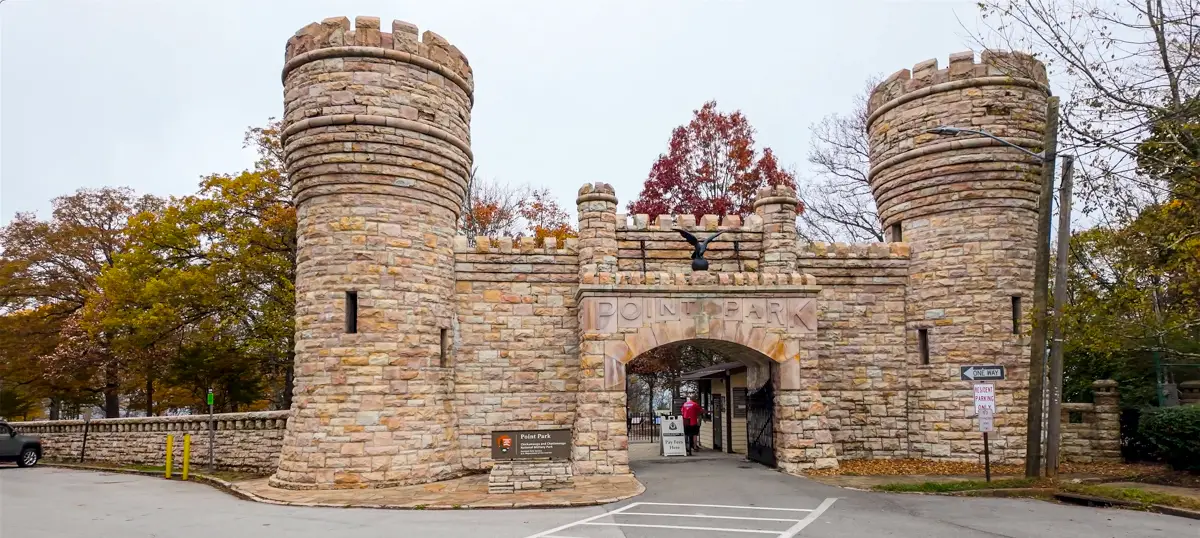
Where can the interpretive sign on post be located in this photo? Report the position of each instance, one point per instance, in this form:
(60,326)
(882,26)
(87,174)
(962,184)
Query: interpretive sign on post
(531,445)
(674,443)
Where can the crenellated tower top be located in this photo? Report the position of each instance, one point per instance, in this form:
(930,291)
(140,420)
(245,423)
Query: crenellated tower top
(403,44)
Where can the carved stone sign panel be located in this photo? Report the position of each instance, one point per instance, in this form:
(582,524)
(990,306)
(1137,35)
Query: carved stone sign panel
(610,314)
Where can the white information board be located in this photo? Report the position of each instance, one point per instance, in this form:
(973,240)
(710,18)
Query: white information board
(674,443)
(986,422)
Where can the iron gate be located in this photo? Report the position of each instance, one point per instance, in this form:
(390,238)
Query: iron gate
(718,422)
(760,426)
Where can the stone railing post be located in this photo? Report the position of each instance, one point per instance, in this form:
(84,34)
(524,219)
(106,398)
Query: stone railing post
(1189,393)
(597,205)
(1107,445)
(778,207)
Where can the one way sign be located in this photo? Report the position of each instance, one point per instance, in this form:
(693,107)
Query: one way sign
(981,373)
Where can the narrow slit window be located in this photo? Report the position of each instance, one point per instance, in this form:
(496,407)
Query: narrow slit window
(1016,314)
(444,353)
(897,233)
(351,312)
(923,345)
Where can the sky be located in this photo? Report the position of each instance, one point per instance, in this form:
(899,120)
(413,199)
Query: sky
(153,94)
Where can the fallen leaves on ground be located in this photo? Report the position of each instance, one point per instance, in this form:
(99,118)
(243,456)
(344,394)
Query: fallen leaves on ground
(899,467)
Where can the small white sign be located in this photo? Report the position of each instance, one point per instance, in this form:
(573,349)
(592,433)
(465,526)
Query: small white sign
(986,423)
(985,398)
(674,442)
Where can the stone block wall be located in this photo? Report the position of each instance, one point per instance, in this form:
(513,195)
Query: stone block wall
(515,476)
(248,442)
(516,343)
(1096,435)
(863,366)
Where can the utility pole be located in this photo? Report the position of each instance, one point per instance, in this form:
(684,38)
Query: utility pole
(1054,428)
(1041,278)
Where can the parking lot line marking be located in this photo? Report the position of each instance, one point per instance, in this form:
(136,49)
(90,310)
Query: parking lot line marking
(710,517)
(812,516)
(680,527)
(546,534)
(728,506)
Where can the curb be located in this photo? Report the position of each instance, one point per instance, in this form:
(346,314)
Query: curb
(233,489)
(1090,500)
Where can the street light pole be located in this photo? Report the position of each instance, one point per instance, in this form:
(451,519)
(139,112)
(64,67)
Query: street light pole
(1041,279)
(1054,416)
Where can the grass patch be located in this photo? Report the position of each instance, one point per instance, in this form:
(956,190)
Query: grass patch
(959,485)
(1140,496)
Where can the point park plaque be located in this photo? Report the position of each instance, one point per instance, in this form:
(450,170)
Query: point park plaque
(531,445)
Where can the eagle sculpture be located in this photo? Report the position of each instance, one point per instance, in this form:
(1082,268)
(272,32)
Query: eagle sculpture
(698,249)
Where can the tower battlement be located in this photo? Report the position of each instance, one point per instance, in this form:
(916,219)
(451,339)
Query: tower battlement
(430,50)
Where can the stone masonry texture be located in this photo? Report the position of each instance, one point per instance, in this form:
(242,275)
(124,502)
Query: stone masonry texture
(967,208)
(458,337)
(377,143)
(248,442)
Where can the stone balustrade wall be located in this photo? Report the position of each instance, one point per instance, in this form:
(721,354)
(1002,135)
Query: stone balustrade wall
(1091,432)
(248,442)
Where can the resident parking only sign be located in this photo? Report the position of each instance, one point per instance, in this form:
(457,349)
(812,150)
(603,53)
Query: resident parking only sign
(985,399)
(674,443)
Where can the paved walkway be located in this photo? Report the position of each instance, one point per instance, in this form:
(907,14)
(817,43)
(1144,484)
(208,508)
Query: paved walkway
(468,492)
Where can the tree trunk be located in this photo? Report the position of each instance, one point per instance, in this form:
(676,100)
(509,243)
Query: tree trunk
(112,394)
(55,409)
(650,403)
(149,395)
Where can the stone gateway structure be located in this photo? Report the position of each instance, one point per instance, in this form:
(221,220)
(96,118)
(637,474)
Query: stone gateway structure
(413,345)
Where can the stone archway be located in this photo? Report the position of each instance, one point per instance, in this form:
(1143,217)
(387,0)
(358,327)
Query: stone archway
(771,324)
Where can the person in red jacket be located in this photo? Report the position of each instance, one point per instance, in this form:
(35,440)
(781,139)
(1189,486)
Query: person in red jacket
(691,413)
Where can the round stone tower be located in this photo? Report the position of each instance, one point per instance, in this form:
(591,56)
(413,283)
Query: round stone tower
(967,206)
(376,134)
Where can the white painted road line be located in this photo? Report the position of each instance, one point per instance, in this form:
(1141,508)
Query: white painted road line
(791,532)
(726,506)
(546,534)
(812,516)
(718,529)
(709,517)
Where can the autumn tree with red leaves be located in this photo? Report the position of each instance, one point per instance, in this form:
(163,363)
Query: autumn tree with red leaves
(711,168)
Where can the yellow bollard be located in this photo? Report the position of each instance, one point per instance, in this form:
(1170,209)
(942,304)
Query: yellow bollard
(170,452)
(187,453)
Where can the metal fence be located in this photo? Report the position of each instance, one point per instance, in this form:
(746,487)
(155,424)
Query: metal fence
(643,429)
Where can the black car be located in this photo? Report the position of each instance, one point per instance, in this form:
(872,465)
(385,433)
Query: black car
(26,450)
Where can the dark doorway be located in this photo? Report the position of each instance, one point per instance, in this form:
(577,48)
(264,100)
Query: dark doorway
(760,426)
(718,419)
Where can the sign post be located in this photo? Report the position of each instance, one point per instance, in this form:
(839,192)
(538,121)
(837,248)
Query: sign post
(985,408)
(212,435)
(674,443)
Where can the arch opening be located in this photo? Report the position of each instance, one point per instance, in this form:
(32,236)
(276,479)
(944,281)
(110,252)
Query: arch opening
(732,383)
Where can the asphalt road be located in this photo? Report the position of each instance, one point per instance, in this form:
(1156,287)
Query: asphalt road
(735,498)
